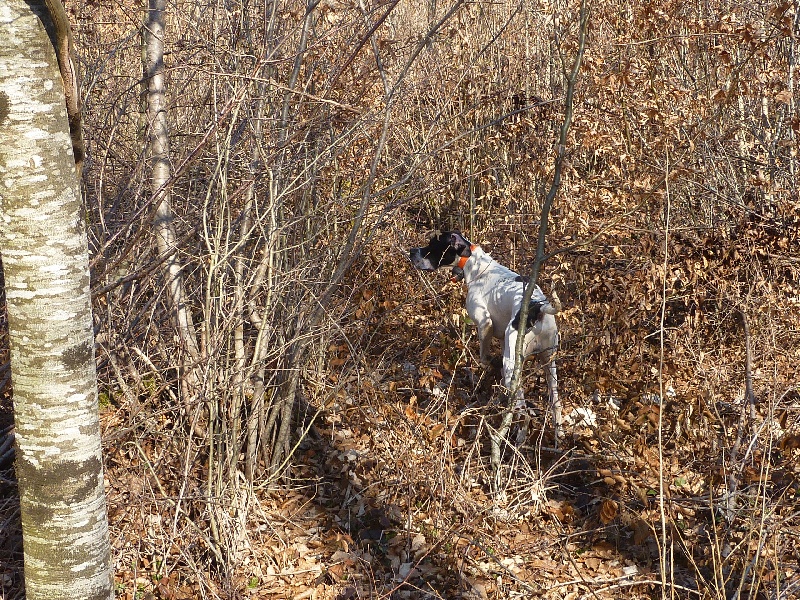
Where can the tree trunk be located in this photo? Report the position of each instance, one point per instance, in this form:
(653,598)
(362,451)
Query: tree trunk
(45,258)
(163,222)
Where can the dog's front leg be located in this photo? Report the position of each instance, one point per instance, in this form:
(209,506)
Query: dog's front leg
(485,337)
(485,327)
(509,360)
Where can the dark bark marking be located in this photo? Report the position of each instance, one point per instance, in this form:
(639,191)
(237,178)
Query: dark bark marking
(55,484)
(4,106)
(77,356)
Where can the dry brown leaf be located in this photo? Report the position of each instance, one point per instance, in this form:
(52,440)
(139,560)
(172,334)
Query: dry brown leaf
(641,531)
(608,511)
(790,442)
(436,431)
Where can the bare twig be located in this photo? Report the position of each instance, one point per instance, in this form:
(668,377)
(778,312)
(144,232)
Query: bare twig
(746,416)
(572,77)
(661,334)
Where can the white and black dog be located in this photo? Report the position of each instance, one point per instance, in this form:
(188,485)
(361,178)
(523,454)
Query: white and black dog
(494,298)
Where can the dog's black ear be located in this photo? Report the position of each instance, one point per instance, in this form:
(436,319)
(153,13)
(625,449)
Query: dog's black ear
(459,243)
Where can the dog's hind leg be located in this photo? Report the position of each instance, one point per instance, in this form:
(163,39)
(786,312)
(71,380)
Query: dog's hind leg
(555,402)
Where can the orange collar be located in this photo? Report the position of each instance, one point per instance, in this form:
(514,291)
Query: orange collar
(463,260)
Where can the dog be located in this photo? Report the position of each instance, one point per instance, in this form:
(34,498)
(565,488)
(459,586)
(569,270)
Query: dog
(494,299)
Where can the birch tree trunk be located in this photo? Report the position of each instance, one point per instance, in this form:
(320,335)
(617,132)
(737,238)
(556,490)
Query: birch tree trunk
(163,224)
(45,258)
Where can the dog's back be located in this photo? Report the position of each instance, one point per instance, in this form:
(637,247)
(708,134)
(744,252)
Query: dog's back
(498,289)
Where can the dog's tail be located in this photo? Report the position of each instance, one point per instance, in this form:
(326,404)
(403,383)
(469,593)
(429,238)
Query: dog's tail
(537,309)
(554,306)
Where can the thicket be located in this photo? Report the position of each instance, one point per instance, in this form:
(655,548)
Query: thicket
(335,393)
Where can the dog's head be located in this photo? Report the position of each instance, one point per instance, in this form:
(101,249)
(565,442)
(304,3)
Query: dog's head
(443,250)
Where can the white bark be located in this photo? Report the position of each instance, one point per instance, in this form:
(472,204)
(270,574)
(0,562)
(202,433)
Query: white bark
(163,224)
(45,259)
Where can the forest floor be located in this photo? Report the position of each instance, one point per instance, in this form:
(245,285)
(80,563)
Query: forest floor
(391,495)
